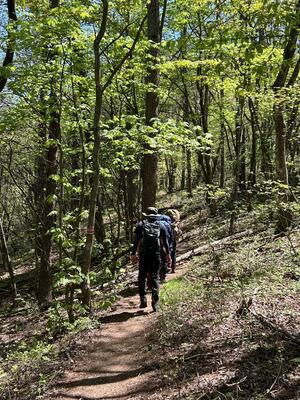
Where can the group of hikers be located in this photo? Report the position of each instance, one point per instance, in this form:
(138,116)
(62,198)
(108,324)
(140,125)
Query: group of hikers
(154,247)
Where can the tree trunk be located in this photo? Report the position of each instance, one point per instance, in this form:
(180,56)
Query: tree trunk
(265,150)
(222,142)
(284,213)
(189,172)
(183,169)
(149,162)
(171,166)
(6,260)
(284,219)
(44,291)
(132,194)
(9,56)
(87,251)
(237,162)
(254,128)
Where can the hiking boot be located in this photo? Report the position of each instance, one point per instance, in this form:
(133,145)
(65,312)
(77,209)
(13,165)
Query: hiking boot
(143,303)
(154,305)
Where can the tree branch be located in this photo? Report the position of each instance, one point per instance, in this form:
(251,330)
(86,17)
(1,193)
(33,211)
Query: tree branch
(125,57)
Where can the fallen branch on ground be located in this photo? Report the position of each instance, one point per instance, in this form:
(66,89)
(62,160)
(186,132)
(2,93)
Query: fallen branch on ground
(217,243)
(264,320)
(248,307)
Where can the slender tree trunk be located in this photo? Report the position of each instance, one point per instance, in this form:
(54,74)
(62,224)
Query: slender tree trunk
(8,60)
(284,213)
(87,252)
(44,289)
(132,194)
(254,128)
(222,142)
(149,162)
(242,178)
(100,232)
(183,168)
(9,56)
(189,172)
(293,143)
(171,166)
(7,261)
(265,150)
(237,162)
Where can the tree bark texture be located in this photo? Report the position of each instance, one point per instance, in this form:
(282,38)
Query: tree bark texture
(149,162)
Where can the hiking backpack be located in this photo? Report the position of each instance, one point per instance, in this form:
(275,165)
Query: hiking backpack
(151,236)
(175,218)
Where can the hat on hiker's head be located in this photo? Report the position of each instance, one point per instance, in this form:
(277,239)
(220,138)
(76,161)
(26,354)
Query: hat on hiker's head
(150,212)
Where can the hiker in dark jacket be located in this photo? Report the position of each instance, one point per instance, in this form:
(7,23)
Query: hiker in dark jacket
(166,221)
(150,237)
(174,215)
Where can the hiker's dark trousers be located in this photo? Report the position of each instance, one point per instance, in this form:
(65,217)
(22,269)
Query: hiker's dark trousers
(149,263)
(173,255)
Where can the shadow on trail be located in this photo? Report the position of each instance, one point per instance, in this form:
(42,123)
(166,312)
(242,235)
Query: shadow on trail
(123,316)
(143,388)
(102,380)
(126,396)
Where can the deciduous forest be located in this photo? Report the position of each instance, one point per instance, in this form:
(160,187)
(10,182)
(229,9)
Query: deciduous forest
(108,107)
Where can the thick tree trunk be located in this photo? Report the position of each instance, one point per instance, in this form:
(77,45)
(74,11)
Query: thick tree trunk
(284,213)
(149,163)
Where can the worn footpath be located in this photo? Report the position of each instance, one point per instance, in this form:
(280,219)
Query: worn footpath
(112,361)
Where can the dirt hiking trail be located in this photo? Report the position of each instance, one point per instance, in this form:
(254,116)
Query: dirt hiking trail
(112,361)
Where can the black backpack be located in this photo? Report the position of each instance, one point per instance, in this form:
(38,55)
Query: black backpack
(151,236)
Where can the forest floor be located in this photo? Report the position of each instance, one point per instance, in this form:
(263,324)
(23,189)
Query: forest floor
(227,327)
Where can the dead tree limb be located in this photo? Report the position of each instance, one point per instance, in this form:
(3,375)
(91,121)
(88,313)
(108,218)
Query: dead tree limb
(217,243)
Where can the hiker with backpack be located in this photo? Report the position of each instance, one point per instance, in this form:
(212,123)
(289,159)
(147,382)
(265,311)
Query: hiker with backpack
(176,233)
(164,268)
(150,239)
